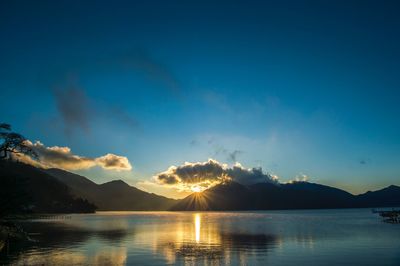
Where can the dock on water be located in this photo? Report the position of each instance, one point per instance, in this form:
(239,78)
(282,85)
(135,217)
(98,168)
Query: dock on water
(390,216)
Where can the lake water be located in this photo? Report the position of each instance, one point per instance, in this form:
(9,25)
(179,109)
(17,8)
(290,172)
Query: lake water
(317,237)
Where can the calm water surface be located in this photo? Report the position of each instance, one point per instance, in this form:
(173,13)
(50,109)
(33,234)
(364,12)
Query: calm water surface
(322,237)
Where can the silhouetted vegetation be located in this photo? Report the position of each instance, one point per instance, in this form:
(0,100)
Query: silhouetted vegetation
(12,143)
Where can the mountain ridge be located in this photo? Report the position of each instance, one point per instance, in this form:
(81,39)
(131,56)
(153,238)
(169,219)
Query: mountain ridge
(296,195)
(28,189)
(115,195)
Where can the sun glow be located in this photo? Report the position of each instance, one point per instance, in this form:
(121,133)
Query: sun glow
(197,189)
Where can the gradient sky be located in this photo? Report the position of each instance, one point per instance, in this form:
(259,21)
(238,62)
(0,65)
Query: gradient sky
(295,87)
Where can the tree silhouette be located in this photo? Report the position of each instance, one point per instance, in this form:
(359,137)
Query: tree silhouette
(13,143)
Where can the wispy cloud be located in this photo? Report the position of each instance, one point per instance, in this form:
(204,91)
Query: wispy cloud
(142,61)
(62,157)
(230,155)
(218,101)
(78,112)
(233,155)
(77,109)
(365,161)
(73,107)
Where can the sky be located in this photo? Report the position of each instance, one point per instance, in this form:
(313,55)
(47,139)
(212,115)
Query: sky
(137,90)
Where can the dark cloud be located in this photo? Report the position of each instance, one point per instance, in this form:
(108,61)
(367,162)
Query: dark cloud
(249,176)
(78,112)
(365,161)
(137,61)
(168,179)
(142,61)
(232,156)
(218,150)
(195,172)
(212,172)
(73,107)
(123,117)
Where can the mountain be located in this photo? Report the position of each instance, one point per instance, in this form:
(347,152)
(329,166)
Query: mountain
(112,196)
(388,197)
(225,196)
(24,187)
(315,196)
(272,196)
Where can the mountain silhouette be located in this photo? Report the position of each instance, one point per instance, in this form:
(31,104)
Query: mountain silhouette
(27,188)
(297,195)
(389,196)
(56,190)
(111,196)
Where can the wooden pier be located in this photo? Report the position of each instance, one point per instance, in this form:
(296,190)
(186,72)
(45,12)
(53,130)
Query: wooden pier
(392,216)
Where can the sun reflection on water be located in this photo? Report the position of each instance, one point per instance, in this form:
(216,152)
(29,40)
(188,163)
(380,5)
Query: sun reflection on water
(197,226)
(166,238)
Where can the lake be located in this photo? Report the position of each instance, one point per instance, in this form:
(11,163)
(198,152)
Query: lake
(303,237)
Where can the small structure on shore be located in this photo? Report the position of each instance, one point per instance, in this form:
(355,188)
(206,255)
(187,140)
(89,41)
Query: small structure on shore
(392,216)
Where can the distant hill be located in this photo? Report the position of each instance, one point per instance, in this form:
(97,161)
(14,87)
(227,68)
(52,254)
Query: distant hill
(297,195)
(26,188)
(115,195)
(388,197)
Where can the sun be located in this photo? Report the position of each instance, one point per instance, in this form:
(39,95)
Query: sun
(196,189)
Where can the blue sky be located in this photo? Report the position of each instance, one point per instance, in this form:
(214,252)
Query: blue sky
(295,87)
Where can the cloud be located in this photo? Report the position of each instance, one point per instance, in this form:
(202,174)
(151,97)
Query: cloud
(73,107)
(209,173)
(62,157)
(249,176)
(193,142)
(300,178)
(232,156)
(141,60)
(365,161)
(77,111)
(113,162)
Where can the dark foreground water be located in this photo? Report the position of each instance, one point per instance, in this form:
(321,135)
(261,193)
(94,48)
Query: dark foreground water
(321,237)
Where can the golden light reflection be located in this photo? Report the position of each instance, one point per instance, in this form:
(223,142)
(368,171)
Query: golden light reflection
(109,256)
(197,226)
